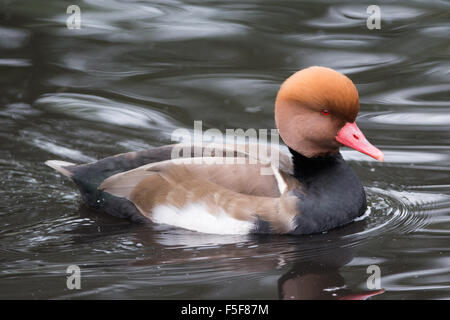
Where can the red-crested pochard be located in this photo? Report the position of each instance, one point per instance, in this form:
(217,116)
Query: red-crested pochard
(312,190)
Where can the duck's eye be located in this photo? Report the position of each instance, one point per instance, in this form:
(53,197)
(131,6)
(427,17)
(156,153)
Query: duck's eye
(325,112)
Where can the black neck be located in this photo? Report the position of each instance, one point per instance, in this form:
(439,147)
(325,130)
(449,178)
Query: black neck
(332,194)
(305,169)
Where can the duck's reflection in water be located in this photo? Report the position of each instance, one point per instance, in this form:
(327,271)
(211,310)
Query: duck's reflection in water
(312,263)
(319,278)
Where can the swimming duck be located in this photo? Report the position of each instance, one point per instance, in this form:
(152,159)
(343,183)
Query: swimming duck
(311,190)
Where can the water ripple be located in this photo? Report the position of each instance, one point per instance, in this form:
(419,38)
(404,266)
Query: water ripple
(94,108)
(411,96)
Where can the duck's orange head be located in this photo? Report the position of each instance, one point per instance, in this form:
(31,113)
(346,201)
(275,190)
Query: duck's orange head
(315,113)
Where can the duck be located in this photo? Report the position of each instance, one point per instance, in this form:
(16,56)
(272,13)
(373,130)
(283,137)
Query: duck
(312,188)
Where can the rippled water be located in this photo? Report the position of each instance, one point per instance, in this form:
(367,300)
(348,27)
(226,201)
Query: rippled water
(137,70)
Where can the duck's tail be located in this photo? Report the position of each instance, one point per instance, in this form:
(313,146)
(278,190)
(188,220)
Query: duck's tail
(89,176)
(61,167)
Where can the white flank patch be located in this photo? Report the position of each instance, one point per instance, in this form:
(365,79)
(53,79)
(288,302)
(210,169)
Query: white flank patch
(196,217)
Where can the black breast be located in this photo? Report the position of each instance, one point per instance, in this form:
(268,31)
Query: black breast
(332,194)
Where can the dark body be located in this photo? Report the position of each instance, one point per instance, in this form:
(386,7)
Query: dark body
(330,193)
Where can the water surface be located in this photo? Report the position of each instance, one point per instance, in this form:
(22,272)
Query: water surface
(137,70)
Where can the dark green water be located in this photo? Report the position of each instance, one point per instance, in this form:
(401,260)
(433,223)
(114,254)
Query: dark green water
(137,70)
